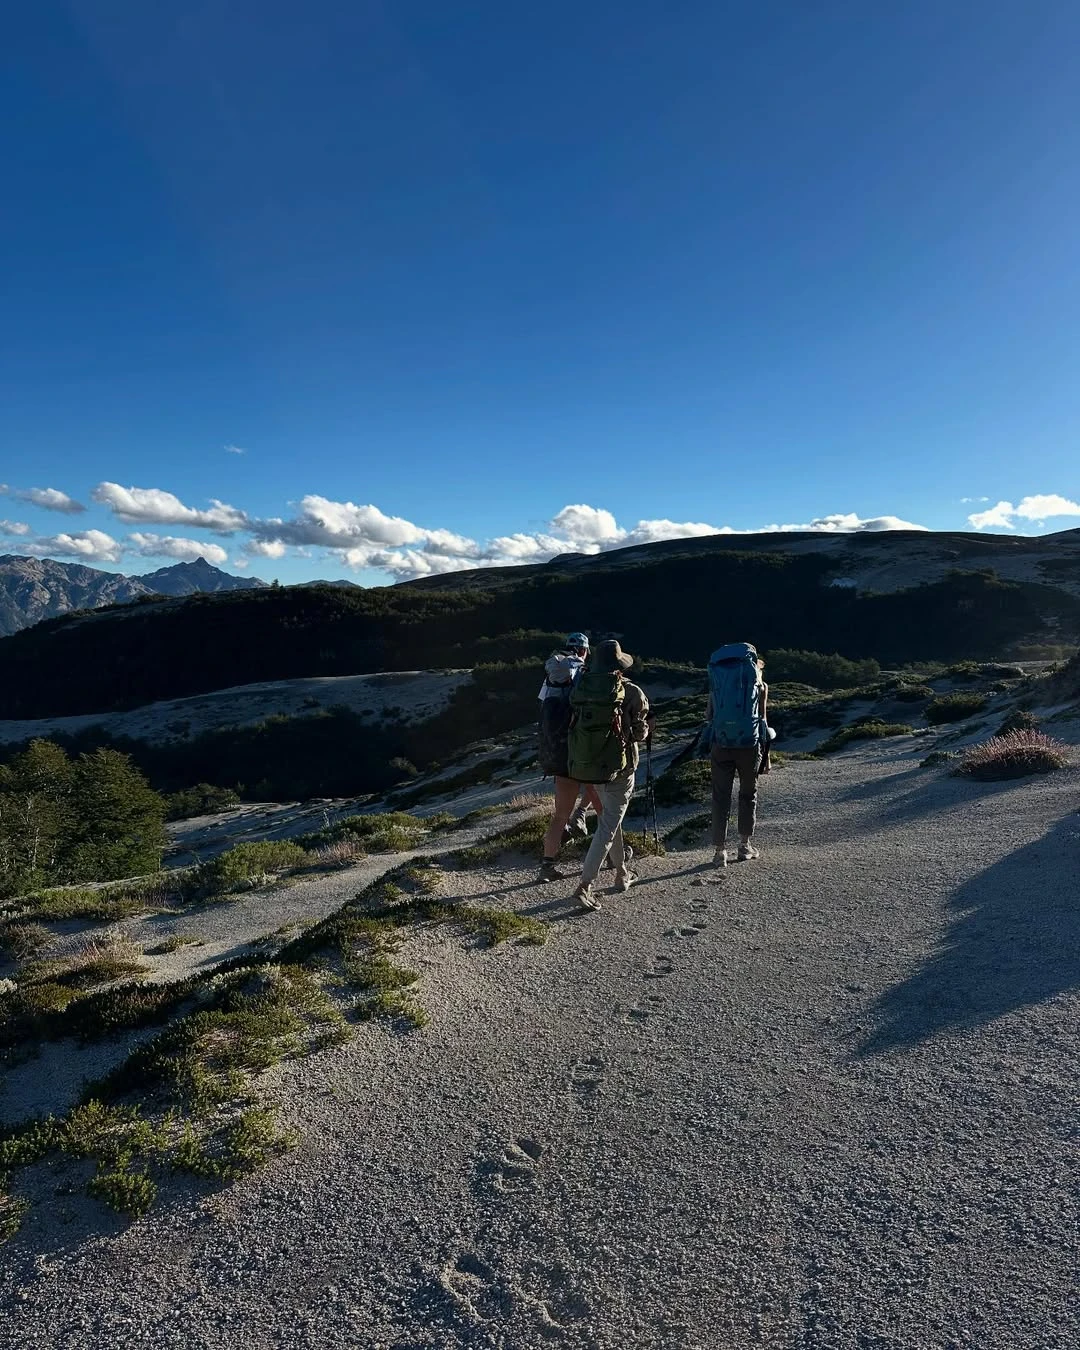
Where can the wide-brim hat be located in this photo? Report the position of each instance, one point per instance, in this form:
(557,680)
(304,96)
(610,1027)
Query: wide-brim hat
(610,656)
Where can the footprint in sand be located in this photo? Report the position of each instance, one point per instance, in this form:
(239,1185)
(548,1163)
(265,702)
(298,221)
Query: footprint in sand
(515,1168)
(662,966)
(586,1081)
(473,1286)
(558,1305)
(652,1004)
(687,930)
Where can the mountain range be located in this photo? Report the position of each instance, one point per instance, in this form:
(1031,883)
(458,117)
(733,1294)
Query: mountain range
(32,589)
(897,597)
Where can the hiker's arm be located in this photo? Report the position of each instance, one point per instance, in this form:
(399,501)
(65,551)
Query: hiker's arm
(640,717)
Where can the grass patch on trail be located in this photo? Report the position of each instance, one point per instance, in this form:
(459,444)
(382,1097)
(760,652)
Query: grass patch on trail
(688,832)
(194,1080)
(689,781)
(108,903)
(1017,754)
(173,943)
(869,729)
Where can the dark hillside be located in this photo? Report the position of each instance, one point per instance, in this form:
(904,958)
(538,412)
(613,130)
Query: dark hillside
(675,604)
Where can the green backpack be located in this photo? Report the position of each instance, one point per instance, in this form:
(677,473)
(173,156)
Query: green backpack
(597,738)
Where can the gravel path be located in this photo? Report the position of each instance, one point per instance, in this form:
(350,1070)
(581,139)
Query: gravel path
(828,1099)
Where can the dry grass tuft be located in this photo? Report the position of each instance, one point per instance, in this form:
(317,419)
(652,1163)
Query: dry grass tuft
(1014,755)
(528,801)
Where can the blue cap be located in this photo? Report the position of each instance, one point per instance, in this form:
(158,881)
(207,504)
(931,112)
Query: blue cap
(577,640)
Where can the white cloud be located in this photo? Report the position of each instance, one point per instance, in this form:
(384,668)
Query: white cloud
(154,506)
(241,563)
(50,499)
(844,523)
(971,501)
(183,550)
(90,546)
(1039,507)
(12,527)
(265,548)
(235,450)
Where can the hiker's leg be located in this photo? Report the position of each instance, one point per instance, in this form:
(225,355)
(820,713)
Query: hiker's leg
(614,799)
(581,810)
(566,791)
(747,763)
(723,781)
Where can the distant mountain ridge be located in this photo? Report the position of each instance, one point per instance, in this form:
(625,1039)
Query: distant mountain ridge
(32,589)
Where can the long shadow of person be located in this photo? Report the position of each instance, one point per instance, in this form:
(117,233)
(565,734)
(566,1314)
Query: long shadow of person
(1014,942)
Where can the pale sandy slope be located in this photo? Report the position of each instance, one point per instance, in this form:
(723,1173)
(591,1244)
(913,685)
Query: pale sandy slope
(826,1100)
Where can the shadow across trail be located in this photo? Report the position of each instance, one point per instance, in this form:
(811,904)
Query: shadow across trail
(1014,942)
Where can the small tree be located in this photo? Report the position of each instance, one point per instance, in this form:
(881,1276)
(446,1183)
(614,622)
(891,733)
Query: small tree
(120,829)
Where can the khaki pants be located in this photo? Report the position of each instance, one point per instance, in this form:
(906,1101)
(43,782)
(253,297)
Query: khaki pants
(726,763)
(614,799)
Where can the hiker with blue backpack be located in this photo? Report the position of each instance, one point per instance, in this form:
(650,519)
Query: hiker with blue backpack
(738,737)
(560,671)
(610,720)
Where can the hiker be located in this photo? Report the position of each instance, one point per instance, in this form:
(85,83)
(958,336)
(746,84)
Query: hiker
(560,671)
(610,721)
(739,738)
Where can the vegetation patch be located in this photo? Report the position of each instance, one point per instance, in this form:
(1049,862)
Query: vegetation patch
(689,781)
(23,941)
(819,669)
(688,832)
(173,943)
(954,707)
(1019,720)
(1014,755)
(201,800)
(868,729)
(938,757)
(119,900)
(248,865)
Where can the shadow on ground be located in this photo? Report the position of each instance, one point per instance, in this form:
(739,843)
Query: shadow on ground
(1014,942)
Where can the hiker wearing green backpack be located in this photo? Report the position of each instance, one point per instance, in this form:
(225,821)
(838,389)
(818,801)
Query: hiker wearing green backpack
(738,737)
(610,720)
(560,671)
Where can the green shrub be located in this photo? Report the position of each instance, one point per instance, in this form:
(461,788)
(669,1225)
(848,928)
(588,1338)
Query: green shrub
(201,800)
(821,670)
(963,671)
(869,729)
(689,781)
(911,693)
(1014,755)
(249,865)
(1019,720)
(936,758)
(953,707)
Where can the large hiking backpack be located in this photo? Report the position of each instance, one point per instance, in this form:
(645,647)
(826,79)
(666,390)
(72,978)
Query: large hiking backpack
(735,685)
(597,739)
(555,714)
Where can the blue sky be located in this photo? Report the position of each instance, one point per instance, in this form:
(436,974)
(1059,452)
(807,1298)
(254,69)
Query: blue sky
(442,272)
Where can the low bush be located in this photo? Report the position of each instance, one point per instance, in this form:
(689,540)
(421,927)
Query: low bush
(911,693)
(1019,720)
(869,729)
(936,758)
(201,800)
(1014,755)
(820,669)
(954,707)
(689,781)
(249,865)
(21,941)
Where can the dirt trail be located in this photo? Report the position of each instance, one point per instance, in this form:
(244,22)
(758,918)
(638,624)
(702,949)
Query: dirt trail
(827,1099)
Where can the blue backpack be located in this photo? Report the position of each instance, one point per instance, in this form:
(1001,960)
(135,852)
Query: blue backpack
(735,685)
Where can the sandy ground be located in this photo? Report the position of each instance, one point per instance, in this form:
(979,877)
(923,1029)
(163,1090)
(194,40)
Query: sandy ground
(417,694)
(826,1099)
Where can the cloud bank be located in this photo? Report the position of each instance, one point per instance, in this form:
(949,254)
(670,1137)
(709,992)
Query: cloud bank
(1038,508)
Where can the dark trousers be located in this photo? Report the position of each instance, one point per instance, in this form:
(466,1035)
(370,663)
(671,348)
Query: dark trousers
(726,763)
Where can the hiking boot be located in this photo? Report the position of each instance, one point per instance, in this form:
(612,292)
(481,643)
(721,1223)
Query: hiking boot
(584,896)
(626,880)
(720,858)
(549,872)
(747,851)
